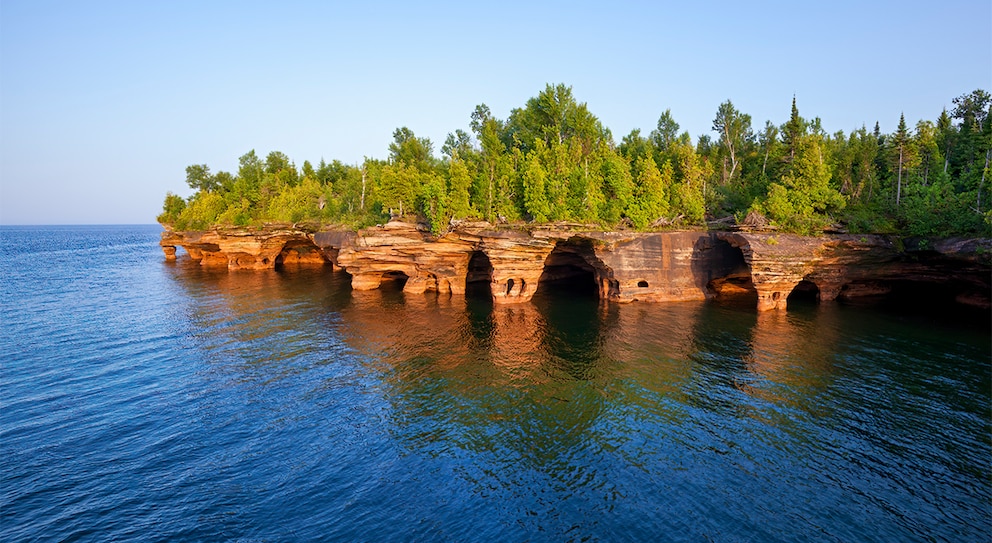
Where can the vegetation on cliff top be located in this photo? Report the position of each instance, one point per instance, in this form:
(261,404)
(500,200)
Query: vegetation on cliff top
(552,160)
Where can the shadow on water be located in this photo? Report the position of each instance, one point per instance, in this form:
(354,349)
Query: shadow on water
(576,325)
(568,404)
(925,304)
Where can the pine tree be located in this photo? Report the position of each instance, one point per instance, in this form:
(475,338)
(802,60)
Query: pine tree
(899,143)
(792,131)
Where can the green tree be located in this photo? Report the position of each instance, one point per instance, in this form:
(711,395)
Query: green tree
(408,149)
(554,116)
(768,139)
(666,133)
(198,178)
(649,201)
(973,142)
(903,154)
(493,175)
(535,191)
(929,159)
(688,193)
(459,183)
(458,142)
(172,209)
(633,146)
(807,183)
(434,203)
(399,185)
(735,133)
(792,132)
(617,186)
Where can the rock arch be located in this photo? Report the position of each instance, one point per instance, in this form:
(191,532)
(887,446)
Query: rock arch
(297,252)
(479,275)
(573,266)
(804,292)
(393,279)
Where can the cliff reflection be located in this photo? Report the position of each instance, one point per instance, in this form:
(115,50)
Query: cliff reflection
(231,308)
(793,352)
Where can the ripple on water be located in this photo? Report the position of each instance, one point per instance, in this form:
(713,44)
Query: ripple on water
(143,400)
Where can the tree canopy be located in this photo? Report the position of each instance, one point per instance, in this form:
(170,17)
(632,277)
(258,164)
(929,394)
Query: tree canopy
(553,160)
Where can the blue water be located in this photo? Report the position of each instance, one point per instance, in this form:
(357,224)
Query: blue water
(142,400)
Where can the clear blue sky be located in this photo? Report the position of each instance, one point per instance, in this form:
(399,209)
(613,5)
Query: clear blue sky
(104,104)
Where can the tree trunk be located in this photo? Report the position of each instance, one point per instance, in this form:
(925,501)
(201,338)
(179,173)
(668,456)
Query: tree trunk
(361,205)
(899,177)
(978,204)
(492,175)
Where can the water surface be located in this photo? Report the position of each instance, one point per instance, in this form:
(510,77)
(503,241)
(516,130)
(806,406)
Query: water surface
(142,400)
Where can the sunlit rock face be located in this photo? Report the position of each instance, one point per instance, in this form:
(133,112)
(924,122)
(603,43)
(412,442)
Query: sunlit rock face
(619,266)
(852,266)
(624,266)
(242,249)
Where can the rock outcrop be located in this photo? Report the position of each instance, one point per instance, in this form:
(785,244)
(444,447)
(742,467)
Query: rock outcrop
(621,266)
(242,249)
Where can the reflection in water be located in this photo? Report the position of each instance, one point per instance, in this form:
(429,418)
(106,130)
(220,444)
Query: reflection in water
(580,419)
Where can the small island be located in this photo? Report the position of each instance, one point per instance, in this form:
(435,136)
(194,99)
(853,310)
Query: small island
(548,195)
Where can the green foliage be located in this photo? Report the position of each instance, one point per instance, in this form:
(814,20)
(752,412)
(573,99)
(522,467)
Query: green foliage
(688,192)
(778,206)
(808,180)
(869,219)
(535,191)
(554,116)
(411,150)
(434,203)
(398,187)
(203,211)
(198,178)
(666,133)
(650,201)
(303,202)
(172,209)
(552,160)
(459,183)
(617,187)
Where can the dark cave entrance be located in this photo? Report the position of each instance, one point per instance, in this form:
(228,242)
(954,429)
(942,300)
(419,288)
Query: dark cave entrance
(804,294)
(479,279)
(724,271)
(393,281)
(572,269)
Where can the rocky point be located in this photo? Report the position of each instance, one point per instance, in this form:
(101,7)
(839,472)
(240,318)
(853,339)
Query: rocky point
(622,266)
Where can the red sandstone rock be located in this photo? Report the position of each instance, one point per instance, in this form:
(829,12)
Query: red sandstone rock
(626,266)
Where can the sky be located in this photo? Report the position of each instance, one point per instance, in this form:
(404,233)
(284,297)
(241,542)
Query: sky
(104,104)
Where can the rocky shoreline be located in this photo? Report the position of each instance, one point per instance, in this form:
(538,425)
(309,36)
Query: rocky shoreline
(624,266)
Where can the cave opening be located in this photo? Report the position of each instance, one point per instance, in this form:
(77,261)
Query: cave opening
(804,294)
(725,272)
(915,295)
(953,303)
(479,278)
(299,252)
(393,281)
(572,269)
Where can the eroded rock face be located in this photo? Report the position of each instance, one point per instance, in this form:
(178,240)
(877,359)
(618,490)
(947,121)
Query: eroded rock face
(851,266)
(625,267)
(245,249)
(622,266)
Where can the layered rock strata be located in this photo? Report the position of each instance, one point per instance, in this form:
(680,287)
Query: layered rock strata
(623,266)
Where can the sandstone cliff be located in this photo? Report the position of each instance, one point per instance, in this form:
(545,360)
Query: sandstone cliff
(620,266)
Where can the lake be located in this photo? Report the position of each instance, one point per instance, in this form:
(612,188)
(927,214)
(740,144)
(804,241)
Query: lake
(145,400)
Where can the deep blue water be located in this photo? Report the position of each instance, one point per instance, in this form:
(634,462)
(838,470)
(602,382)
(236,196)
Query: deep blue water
(142,400)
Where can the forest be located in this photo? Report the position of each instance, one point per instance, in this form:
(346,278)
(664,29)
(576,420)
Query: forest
(552,160)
